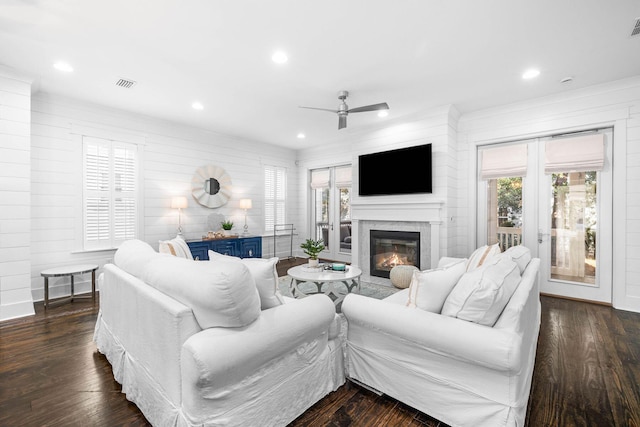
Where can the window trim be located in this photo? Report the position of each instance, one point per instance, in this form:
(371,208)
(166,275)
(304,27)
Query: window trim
(275,200)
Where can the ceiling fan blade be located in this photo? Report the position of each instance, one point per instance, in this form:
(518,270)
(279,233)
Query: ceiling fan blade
(374,107)
(321,109)
(342,121)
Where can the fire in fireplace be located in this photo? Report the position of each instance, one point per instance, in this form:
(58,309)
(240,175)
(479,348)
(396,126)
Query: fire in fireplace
(391,248)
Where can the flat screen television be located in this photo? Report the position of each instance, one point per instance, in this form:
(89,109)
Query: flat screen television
(401,171)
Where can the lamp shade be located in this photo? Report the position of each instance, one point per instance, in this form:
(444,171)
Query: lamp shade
(179,202)
(245,203)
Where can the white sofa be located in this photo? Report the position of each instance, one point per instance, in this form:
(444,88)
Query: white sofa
(191,346)
(460,372)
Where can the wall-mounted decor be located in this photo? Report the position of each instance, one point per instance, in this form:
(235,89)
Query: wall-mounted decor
(211,186)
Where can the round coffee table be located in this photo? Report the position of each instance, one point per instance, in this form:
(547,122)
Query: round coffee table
(335,284)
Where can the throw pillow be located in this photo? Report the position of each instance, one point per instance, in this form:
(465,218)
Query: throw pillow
(521,255)
(176,247)
(264,273)
(133,255)
(481,294)
(220,294)
(482,255)
(429,289)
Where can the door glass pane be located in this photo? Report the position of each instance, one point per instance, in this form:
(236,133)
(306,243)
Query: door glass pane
(321,212)
(504,216)
(345,220)
(574,221)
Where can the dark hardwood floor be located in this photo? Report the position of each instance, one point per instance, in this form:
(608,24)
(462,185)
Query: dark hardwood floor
(587,373)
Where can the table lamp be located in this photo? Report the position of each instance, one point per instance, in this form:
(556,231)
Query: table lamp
(245,204)
(179,202)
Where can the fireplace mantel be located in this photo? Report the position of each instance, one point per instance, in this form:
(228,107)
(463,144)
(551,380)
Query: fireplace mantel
(385,210)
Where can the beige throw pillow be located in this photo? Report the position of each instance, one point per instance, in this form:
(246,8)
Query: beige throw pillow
(429,289)
(482,255)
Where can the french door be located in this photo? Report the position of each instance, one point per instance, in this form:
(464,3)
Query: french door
(559,209)
(331,211)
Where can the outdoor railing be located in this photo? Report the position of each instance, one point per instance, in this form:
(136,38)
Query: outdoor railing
(509,236)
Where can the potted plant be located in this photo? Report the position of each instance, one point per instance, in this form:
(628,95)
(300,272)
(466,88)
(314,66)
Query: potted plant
(227,226)
(312,248)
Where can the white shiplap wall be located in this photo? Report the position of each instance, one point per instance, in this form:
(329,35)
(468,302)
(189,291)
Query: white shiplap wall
(171,154)
(614,104)
(436,126)
(15,188)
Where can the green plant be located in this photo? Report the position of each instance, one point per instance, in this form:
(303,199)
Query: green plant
(312,247)
(227,225)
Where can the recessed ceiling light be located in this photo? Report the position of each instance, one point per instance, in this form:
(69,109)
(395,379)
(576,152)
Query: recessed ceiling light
(63,66)
(279,57)
(531,74)
(301,135)
(383,113)
(197,106)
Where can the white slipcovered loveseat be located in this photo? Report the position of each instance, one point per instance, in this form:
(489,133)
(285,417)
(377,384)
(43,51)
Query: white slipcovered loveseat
(191,346)
(448,345)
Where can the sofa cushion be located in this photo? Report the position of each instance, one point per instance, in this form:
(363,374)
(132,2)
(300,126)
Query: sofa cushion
(264,273)
(220,294)
(430,288)
(521,255)
(481,294)
(133,255)
(482,255)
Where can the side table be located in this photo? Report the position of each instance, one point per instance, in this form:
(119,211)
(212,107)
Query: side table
(70,271)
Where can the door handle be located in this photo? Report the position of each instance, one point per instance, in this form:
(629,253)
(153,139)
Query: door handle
(541,236)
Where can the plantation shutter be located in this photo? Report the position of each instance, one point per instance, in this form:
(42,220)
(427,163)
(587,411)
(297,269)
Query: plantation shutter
(504,161)
(343,176)
(577,154)
(110,173)
(275,196)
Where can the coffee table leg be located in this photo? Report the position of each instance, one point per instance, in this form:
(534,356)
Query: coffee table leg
(93,285)
(72,286)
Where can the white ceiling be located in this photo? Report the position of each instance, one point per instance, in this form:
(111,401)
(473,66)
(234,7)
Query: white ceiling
(412,54)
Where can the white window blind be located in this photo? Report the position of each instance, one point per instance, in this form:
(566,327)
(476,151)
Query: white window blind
(504,161)
(275,196)
(343,176)
(577,154)
(110,192)
(320,178)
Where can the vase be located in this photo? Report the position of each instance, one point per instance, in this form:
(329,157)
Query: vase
(313,263)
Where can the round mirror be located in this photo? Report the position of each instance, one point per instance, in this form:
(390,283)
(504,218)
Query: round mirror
(211,186)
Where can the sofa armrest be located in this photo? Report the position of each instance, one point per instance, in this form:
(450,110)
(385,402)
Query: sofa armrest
(455,338)
(217,357)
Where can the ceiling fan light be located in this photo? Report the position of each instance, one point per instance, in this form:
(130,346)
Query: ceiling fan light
(383,113)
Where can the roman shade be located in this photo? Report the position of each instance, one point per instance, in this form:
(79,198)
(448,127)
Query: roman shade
(320,178)
(343,176)
(504,161)
(577,154)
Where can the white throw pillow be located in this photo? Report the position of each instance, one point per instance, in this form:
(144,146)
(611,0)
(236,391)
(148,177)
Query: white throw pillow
(521,255)
(264,273)
(133,255)
(220,294)
(429,289)
(482,255)
(481,294)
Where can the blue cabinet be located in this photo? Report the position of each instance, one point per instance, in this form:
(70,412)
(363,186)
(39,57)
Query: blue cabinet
(241,247)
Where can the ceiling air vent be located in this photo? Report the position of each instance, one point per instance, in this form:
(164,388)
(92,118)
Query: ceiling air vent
(636,28)
(125,83)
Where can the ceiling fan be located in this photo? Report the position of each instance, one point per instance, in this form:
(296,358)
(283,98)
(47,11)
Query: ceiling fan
(343,109)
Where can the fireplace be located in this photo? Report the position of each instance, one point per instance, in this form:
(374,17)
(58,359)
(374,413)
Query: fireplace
(391,248)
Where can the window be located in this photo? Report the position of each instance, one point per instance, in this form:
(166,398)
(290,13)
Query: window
(110,192)
(275,196)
